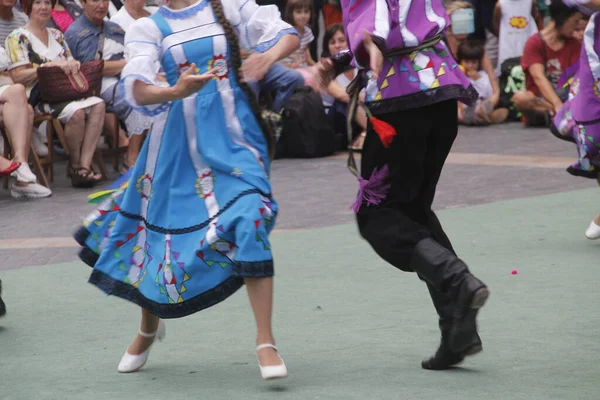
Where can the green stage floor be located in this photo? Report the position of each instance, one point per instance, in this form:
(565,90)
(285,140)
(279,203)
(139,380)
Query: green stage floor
(348,325)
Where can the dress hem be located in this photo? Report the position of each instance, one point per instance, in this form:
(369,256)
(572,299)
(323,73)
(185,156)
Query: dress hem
(205,300)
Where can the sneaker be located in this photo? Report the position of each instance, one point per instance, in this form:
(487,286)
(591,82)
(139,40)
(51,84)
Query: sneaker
(38,144)
(2,305)
(24,174)
(30,191)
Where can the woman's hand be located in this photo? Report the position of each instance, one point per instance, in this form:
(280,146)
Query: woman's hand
(323,74)
(256,66)
(73,66)
(375,55)
(190,83)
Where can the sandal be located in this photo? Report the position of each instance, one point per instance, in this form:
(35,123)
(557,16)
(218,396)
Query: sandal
(83,177)
(357,144)
(124,167)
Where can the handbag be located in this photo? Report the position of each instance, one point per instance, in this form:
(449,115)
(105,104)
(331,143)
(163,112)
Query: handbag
(56,86)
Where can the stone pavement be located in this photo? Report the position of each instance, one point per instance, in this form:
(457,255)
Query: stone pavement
(487,164)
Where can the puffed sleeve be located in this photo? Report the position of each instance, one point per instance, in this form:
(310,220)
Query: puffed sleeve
(142,52)
(365,16)
(259,27)
(4,60)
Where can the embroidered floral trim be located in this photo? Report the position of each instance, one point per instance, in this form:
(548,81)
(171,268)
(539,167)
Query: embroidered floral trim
(185,13)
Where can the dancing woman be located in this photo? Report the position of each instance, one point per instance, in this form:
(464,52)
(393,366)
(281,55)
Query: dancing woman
(414,101)
(578,120)
(192,225)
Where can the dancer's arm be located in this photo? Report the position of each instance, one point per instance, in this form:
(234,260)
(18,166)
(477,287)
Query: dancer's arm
(187,84)
(256,66)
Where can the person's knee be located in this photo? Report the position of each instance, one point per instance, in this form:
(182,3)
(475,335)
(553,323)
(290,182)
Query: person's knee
(296,79)
(523,100)
(100,107)
(16,93)
(77,117)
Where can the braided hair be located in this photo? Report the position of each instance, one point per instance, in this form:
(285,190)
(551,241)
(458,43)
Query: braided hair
(236,61)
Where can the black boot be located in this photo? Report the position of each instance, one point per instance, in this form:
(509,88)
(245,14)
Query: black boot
(2,305)
(449,275)
(445,358)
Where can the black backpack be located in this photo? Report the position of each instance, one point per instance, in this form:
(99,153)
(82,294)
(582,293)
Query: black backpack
(512,80)
(307,131)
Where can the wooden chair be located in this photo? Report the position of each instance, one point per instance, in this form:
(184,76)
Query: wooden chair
(54,126)
(37,164)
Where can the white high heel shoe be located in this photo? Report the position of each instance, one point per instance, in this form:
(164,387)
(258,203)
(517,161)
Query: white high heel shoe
(134,362)
(272,371)
(593,231)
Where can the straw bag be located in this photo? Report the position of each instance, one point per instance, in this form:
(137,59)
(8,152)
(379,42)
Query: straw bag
(56,86)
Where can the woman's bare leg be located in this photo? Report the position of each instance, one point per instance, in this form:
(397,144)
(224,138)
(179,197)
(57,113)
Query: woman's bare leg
(74,132)
(93,129)
(260,293)
(18,124)
(149,324)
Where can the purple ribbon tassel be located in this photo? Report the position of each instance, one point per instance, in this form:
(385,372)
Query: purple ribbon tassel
(372,191)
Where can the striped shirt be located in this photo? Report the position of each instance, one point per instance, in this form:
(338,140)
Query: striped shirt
(6,27)
(298,57)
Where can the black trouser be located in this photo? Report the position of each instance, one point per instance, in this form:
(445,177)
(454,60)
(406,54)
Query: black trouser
(415,160)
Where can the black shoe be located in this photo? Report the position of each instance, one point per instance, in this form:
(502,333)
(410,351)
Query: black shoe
(444,358)
(472,296)
(2,305)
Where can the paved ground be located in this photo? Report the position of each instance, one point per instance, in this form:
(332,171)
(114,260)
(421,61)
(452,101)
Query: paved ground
(487,165)
(349,326)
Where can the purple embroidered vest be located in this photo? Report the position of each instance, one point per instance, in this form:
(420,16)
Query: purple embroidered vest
(418,79)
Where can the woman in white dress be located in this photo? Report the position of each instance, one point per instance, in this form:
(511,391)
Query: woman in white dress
(35,46)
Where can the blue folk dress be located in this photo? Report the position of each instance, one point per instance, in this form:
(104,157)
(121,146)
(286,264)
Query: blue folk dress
(195,216)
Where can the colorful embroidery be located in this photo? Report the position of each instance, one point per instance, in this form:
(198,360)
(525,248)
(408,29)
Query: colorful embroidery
(144,186)
(220,63)
(185,66)
(205,185)
(169,280)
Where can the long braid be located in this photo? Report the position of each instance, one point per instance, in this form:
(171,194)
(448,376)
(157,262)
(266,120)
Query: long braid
(236,61)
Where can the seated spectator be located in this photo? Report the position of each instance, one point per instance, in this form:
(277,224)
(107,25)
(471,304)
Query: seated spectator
(132,10)
(16,118)
(454,40)
(35,46)
(83,37)
(547,55)
(298,14)
(470,55)
(336,98)
(514,23)
(280,81)
(10,19)
(65,12)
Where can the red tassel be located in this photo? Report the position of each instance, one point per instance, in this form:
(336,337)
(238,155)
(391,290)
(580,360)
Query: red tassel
(385,131)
